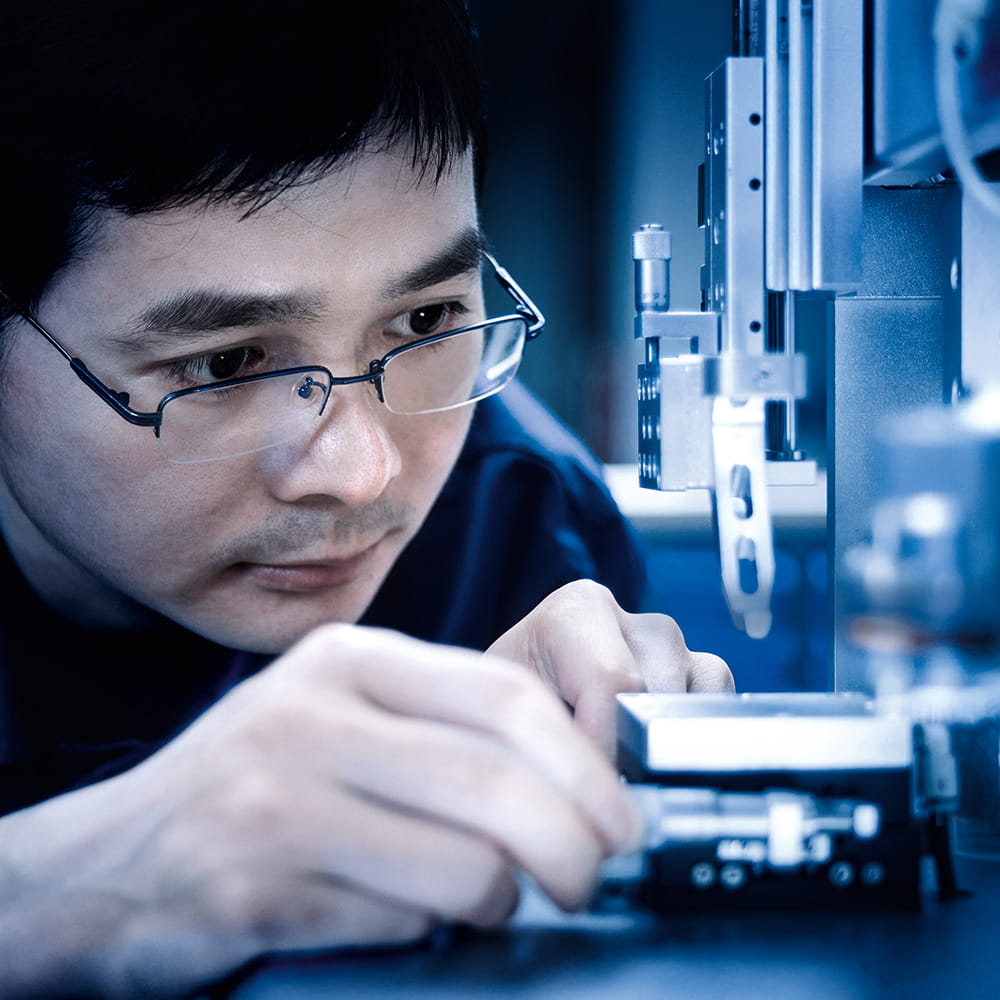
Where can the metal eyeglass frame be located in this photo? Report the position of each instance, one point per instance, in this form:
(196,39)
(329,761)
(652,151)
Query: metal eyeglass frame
(524,308)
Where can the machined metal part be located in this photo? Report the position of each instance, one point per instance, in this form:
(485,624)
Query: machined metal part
(734,196)
(779,828)
(803,800)
(707,376)
(679,332)
(798,229)
(674,413)
(676,401)
(740,833)
(742,512)
(757,734)
(814,138)
(936,786)
(741,376)
(974,278)
(651,251)
(895,348)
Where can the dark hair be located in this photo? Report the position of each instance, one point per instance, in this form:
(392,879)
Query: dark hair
(147,105)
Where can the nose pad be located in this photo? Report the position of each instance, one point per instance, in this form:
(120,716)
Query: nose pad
(376,373)
(309,386)
(373,381)
(349,453)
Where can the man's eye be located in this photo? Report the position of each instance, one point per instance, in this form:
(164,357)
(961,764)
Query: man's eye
(428,320)
(219,366)
(227,364)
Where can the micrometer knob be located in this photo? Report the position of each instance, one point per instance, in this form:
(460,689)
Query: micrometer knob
(651,253)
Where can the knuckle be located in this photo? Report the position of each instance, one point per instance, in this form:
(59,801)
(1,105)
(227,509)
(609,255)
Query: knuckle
(581,593)
(261,732)
(573,600)
(662,628)
(253,800)
(712,673)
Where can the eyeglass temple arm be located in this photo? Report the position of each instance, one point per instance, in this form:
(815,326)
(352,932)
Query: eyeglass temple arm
(118,401)
(536,321)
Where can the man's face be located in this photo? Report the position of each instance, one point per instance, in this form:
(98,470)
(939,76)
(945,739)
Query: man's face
(250,551)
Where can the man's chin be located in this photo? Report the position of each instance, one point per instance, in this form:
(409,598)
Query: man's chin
(267,641)
(274,627)
(267,607)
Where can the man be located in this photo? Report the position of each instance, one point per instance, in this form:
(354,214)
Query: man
(231,426)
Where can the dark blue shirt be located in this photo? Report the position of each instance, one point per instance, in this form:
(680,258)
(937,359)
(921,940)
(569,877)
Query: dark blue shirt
(523,512)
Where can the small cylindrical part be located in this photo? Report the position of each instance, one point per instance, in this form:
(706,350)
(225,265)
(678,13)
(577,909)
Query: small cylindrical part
(651,252)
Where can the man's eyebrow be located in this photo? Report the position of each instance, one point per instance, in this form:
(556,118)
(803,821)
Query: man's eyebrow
(463,255)
(202,311)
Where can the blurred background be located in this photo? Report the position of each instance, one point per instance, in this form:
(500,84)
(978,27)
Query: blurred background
(595,122)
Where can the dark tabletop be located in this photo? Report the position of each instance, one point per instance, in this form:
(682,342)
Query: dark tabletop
(946,949)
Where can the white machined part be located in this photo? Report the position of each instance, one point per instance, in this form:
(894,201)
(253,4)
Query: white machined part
(746,544)
(867,820)
(786,836)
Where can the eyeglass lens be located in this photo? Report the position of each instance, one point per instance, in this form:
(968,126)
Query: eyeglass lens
(423,378)
(457,370)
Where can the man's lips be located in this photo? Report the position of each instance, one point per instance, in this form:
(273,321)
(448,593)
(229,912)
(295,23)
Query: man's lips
(310,575)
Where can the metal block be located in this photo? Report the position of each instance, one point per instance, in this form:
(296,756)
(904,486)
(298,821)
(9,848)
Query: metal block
(768,376)
(735,203)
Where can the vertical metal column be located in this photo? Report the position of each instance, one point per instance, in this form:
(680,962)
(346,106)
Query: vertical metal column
(894,346)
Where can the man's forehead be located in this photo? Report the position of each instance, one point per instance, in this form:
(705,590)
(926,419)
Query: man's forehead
(366,220)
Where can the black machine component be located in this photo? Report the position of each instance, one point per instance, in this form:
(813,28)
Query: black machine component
(784,800)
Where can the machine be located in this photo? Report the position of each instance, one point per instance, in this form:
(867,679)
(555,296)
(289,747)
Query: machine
(852,153)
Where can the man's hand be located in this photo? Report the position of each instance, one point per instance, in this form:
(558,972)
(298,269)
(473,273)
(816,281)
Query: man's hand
(589,650)
(361,789)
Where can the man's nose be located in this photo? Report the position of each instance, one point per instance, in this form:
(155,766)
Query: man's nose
(349,453)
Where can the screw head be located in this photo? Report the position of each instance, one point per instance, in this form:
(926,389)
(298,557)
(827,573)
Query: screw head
(703,875)
(872,873)
(841,874)
(733,876)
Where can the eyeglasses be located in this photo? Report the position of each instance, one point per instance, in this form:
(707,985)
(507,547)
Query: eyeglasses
(240,416)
